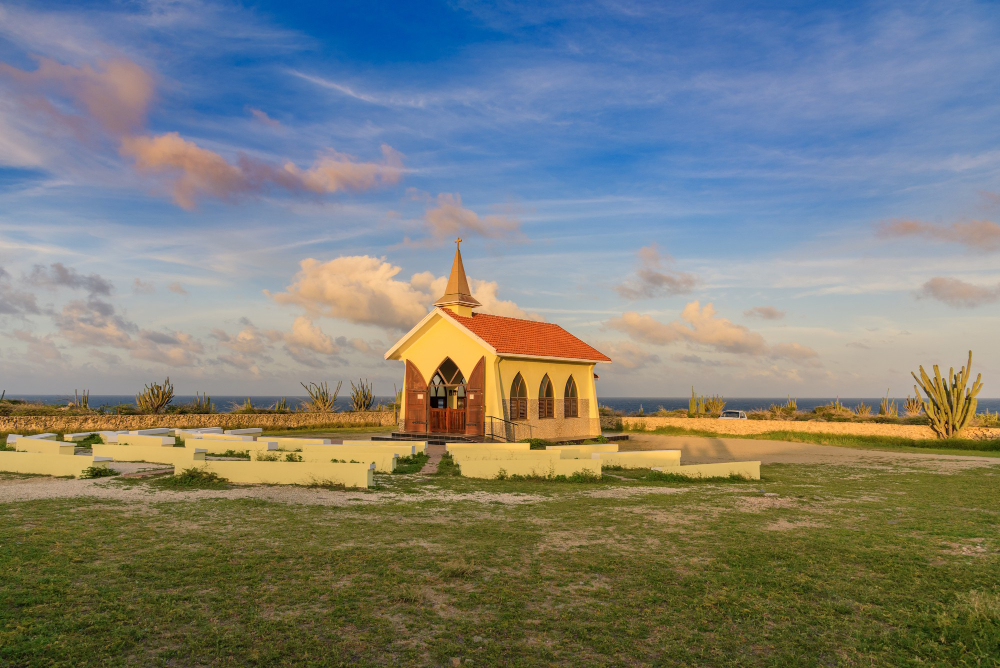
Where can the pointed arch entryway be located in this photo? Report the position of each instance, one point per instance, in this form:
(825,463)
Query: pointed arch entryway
(456,403)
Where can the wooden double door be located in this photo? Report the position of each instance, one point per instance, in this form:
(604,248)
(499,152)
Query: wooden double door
(467,416)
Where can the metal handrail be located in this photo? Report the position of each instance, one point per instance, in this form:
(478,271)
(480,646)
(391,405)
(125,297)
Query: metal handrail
(507,431)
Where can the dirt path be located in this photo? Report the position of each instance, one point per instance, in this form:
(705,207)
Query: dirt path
(702,450)
(434,454)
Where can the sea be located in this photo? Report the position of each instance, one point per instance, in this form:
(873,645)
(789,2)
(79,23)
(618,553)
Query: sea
(627,405)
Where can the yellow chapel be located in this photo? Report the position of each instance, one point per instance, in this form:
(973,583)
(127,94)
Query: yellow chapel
(483,376)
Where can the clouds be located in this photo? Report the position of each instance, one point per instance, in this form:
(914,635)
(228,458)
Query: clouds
(193,173)
(700,326)
(959,294)
(980,235)
(448,219)
(764,313)
(113,99)
(116,94)
(58,275)
(14,301)
(365,290)
(654,279)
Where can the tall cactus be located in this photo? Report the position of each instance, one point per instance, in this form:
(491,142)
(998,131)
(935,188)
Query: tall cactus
(950,406)
(692,403)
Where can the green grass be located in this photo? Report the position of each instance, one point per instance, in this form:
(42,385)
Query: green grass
(953,446)
(411,464)
(846,566)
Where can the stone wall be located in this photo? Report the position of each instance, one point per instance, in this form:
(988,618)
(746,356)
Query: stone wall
(27,424)
(745,427)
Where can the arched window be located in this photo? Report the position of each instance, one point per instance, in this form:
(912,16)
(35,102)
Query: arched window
(518,399)
(571,404)
(546,402)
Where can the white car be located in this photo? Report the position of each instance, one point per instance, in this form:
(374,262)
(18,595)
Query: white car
(733,415)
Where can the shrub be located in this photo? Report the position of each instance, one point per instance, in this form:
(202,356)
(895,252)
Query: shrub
(536,443)
(195,478)
(98,472)
(292,457)
(266,456)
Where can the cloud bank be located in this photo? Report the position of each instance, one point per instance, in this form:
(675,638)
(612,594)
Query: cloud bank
(654,279)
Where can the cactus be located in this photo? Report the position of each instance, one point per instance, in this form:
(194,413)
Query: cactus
(701,405)
(81,400)
(950,405)
(912,405)
(988,419)
(792,404)
(692,403)
(281,404)
(155,397)
(888,408)
(321,401)
(202,404)
(361,396)
(863,410)
(248,405)
(715,403)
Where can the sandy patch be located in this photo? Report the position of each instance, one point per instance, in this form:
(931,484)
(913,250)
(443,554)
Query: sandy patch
(785,525)
(758,504)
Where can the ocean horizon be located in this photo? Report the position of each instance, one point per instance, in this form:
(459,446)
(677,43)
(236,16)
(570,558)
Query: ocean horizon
(228,403)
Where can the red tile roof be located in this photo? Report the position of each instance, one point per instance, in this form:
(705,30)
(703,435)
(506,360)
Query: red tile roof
(514,336)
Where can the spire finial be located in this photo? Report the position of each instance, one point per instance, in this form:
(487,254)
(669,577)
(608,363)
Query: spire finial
(458,243)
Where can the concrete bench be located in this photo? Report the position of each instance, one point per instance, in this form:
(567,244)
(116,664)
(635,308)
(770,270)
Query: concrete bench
(221,437)
(292,473)
(150,453)
(218,446)
(245,432)
(640,459)
(43,464)
(43,446)
(147,440)
(493,468)
(159,431)
(80,436)
(419,446)
(586,449)
(748,470)
(383,458)
(455,447)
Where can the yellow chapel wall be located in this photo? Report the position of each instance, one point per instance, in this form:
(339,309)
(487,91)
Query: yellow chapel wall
(587,425)
(441,339)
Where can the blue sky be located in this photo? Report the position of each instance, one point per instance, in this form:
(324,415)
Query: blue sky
(245,196)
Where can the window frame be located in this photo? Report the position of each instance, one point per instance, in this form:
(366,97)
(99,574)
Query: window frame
(571,399)
(546,399)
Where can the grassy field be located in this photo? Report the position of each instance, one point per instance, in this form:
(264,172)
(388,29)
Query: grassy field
(953,446)
(845,566)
